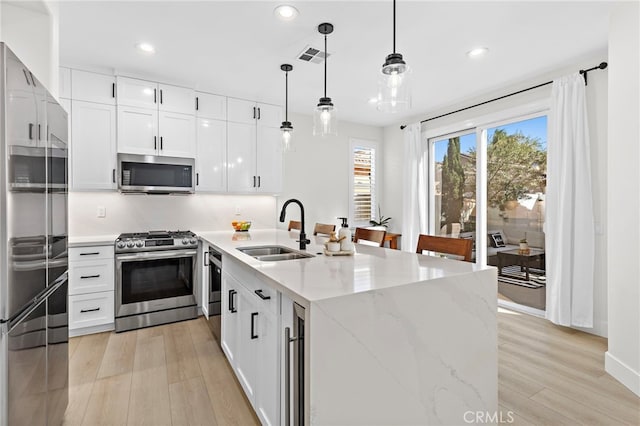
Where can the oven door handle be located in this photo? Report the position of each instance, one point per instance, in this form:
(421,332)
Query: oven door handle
(156,255)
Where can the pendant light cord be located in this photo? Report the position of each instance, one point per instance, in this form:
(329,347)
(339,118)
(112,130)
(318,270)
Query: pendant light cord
(286,96)
(325,65)
(394,26)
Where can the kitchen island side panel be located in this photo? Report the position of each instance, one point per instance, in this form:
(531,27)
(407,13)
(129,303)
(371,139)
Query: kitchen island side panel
(424,353)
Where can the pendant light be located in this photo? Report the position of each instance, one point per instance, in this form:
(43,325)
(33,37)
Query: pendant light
(393,84)
(325,121)
(286,127)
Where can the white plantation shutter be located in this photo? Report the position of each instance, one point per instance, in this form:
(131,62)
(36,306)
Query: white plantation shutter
(363,183)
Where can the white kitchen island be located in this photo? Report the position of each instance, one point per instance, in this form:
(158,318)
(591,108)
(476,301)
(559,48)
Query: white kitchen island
(391,338)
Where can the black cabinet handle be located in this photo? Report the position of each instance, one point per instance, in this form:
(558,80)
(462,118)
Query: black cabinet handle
(258,113)
(39,133)
(259,181)
(232,305)
(206,257)
(197,103)
(30,131)
(197,179)
(82,311)
(155,142)
(95,253)
(253,316)
(160,142)
(154,96)
(113,90)
(254,181)
(113,175)
(33,80)
(262,296)
(160,95)
(26,77)
(84,277)
(254,113)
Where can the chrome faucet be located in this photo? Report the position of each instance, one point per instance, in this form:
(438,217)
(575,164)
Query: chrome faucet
(303,237)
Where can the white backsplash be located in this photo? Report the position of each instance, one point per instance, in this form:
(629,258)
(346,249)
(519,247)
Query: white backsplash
(136,213)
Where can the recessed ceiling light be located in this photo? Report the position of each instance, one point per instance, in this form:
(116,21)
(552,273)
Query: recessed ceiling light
(146,48)
(477,52)
(286,12)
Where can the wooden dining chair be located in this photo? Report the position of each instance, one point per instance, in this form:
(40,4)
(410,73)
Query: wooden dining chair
(324,229)
(445,245)
(372,235)
(294,224)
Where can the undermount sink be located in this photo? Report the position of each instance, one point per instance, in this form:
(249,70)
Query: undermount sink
(273,253)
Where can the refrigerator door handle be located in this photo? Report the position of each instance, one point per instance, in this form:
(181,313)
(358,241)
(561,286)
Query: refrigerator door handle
(38,300)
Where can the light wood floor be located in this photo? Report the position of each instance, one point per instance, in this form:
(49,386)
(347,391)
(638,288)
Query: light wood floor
(176,374)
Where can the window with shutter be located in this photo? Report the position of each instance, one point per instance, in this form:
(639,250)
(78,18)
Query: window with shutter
(363,182)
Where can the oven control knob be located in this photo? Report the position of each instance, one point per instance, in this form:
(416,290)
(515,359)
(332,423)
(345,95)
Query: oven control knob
(185,241)
(192,241)
(121,244)
(129,244)
(138,243)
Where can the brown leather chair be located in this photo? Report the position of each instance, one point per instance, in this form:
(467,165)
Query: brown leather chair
(456,246)
(373,235)
(323,228)
(294,224)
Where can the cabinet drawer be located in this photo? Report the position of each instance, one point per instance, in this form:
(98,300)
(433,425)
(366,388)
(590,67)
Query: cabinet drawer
(88,310)
(90,253)
(91,276)
(252,283)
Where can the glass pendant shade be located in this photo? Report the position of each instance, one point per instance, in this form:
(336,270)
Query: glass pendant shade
(394,91)
(287,133)
(325,120)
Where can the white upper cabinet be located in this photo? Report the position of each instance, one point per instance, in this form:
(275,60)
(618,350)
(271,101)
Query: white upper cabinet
(64,90)
(241,111)
(269,115)
(176,135)
(176,99)
(93,150)
(138,130)
(211,106)
(137,93)
(241,157)
(269,160)
(211,159)
(92,87)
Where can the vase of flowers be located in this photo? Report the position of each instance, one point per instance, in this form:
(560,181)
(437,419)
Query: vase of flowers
(382,223)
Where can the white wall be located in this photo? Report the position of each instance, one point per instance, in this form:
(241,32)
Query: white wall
(597,108)
(623,357)
(317,171)
(137,213)
(30,29)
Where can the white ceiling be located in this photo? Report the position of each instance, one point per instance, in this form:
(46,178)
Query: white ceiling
(236,47)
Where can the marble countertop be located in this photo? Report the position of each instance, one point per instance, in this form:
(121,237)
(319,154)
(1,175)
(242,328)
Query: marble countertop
(92,240)
(324,277)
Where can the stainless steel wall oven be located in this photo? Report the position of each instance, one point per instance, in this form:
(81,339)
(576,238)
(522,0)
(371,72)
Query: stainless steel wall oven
(155,279)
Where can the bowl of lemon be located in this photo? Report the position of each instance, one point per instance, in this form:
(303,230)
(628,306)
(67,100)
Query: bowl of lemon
(241,225)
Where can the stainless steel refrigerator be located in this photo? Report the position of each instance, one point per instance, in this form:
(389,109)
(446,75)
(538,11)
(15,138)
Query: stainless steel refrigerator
(34,375)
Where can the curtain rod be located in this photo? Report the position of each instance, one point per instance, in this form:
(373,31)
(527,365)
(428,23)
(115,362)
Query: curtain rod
(602,66)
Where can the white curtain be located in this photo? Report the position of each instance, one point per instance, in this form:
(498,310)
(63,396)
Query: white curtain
(570,229)
(414,188)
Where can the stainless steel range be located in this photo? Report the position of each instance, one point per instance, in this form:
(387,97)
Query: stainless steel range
(155,278)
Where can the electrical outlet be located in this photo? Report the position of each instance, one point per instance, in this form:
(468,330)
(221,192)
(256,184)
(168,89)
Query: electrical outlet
(238,211)
(102,211)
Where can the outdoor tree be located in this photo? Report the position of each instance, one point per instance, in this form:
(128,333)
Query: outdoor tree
(516,165)
(452,185)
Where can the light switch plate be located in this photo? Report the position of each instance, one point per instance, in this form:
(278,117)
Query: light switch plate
(102,211)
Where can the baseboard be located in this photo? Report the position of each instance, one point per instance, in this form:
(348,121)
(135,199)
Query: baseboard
(91,330)
(622,372)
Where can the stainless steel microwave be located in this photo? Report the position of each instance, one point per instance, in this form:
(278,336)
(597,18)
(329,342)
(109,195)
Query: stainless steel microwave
(155,175)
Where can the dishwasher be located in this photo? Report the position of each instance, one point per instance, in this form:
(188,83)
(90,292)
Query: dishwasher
(215,290)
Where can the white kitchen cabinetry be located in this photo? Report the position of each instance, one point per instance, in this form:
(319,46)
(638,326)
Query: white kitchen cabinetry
(251,339)
(155,119)
(92,87)
(91,289)
(93,147)
(211,106)
(254,151)
(211,159)
(64,90)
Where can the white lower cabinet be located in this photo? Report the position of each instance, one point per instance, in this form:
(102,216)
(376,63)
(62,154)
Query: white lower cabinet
(91,289)
(250,340)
